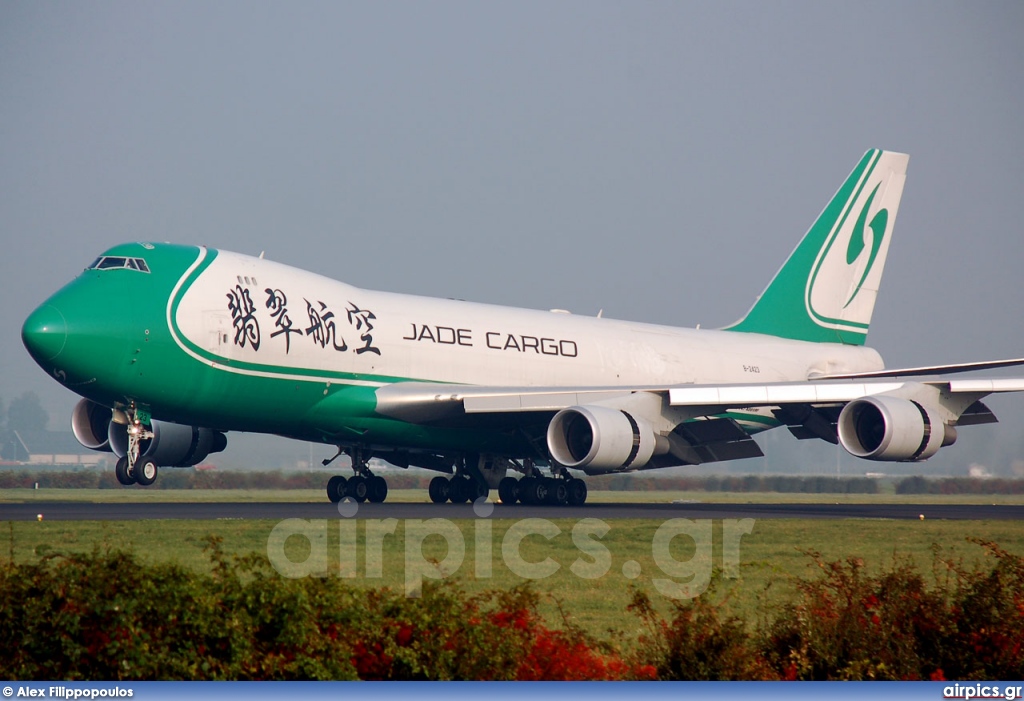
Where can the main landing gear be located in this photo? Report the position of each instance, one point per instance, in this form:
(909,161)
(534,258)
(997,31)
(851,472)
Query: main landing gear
(538,490)
(534,489)
(362,486)
(458,489)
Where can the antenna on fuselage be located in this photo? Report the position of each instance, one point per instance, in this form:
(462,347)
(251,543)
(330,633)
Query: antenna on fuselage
(261,254)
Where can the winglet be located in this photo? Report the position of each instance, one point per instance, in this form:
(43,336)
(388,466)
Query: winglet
(825,291)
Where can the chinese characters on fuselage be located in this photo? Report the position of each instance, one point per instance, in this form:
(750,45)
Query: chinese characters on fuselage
(243,316)
(322,329)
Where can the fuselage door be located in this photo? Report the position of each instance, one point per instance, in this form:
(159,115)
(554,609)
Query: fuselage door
(217,330)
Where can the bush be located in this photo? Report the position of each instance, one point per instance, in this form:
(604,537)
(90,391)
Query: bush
(701,642)
(107,616)
(849,625)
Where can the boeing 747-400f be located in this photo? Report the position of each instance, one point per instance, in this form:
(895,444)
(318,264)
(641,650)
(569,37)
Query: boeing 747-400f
(173,346)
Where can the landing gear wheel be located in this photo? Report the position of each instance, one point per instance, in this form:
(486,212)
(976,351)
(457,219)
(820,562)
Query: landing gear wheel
(121,472)
(558,492)
(438,490)
(577,492)
(336,489)
(356,488)
(508,490)
(538,491)
(478,490)
(376,489)
(145,472)
(461,490)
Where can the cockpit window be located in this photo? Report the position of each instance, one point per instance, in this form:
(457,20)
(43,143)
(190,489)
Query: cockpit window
(118,262)
(108,262)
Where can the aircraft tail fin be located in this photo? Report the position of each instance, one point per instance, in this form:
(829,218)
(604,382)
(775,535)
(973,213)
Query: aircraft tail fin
(825,291)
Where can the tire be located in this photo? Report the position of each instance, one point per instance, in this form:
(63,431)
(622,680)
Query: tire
(538,491)
(336,489)
(577,492)
(479,490)
(146,472)
(461,490)
(439,488)
(377,489)
(558,492)
(356,488)
(508,490)
(121,472)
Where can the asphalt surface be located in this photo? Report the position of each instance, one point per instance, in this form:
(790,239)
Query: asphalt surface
(87,511)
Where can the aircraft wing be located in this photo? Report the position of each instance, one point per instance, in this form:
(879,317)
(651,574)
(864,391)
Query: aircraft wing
(705,423)
(424,402)
(925,370)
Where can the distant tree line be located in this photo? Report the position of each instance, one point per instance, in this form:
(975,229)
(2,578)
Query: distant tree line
(213,479)
(25,414)
(959,485)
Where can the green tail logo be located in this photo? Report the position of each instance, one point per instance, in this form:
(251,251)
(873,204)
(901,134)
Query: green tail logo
(826,290)
(857,245)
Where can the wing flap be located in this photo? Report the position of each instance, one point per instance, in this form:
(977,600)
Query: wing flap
(711,440)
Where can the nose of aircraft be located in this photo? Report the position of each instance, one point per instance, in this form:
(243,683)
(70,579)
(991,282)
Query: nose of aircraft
(45,332)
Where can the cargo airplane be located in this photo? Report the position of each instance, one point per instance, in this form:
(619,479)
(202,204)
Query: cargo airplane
(173,346)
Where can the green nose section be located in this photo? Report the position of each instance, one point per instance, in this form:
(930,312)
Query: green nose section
(45,333)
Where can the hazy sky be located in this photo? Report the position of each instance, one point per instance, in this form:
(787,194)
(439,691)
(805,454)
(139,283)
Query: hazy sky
(657,160)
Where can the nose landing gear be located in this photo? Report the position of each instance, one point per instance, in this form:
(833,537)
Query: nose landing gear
(130,469)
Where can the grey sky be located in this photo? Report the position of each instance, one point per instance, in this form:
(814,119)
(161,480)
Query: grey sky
(655,160)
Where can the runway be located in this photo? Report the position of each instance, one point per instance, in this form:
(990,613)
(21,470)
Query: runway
(87,511)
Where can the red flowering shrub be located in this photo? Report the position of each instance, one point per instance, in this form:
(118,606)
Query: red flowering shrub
(108,616)
(849,625)
(701,642)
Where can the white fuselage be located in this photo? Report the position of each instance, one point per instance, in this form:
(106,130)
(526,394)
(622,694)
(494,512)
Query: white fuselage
(258,317)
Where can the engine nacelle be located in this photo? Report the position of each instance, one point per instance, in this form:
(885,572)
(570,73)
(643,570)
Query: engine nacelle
(172,445)
(89,422)
(890,428)
(598,439)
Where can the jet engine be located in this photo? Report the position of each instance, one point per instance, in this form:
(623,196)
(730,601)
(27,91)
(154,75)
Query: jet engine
(599,439)
(890,428)
(171,445)
(89,423)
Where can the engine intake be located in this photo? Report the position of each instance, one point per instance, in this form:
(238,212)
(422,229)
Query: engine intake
(89,422)
(893,429)
(598,439)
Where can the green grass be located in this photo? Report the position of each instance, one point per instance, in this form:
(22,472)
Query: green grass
(770,556)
